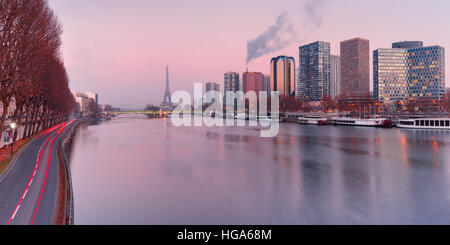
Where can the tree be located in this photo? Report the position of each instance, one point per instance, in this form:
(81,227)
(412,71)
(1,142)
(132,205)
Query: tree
(328,103)
(32,73)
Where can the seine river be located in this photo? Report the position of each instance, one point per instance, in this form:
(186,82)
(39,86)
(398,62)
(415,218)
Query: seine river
(133,170)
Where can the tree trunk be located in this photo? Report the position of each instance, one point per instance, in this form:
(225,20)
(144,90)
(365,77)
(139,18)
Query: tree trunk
(4,114)
(25,129)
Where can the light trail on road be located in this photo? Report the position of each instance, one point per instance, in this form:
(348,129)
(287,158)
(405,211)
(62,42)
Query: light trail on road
(32,176)
(46,175)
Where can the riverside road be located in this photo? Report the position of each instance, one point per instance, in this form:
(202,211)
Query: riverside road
(29,186)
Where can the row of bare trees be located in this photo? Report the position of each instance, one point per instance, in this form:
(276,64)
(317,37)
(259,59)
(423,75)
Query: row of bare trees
(32,72)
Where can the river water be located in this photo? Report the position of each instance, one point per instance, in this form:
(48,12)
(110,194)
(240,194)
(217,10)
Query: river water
(133,170)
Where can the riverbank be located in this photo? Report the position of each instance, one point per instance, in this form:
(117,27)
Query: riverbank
(64,208)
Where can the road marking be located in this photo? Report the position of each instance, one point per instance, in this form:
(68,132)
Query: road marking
(30,181)
(45,179)
(15,211)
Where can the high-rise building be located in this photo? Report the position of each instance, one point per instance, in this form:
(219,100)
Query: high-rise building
(314,77)
(335,71)
(355,68)
(426,72)
(252,81)
(231,81)
(282,75)
(211,86)
(408,44)
(402,73)
(266,83)
(390,75)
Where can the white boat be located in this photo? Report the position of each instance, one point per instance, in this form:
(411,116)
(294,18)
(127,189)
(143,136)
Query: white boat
(264,118)
(269,119)
(424,123)
(312,120)
(241,116)
(366,122)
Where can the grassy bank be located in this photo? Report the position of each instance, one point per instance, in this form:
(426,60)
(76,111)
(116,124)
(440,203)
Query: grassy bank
(5,153)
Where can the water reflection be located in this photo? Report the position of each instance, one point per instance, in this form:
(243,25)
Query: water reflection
(140,171)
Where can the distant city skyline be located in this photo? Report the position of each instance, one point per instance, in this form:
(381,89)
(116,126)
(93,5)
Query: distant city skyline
(120,50)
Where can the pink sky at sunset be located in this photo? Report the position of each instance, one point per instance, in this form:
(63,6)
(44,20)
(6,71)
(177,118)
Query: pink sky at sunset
(119,49)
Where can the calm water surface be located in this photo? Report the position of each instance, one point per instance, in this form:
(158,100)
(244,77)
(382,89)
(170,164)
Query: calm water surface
(141,171)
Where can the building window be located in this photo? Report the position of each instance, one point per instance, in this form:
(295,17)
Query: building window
(427,123)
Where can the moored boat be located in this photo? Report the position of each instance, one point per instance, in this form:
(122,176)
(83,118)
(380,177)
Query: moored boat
(312,120)
(425,123)
(366,122)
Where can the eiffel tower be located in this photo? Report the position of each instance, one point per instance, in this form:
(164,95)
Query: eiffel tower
(167,102)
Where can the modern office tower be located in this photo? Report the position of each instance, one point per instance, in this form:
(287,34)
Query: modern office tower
(211,86)
(314,71)
(408,44)
(297,81)
(355,81)
(266,83)
(252,81)
(335,74)
(401,74)
(231,81)
(282,75)
(390,75)
(426,72)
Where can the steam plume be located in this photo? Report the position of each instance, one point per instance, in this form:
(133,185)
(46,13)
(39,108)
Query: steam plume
(283,32)
(275,38)
(313,13)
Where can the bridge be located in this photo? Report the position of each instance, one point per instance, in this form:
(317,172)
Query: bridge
(145,112)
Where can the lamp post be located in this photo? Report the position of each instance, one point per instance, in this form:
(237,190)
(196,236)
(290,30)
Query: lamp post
(13,126)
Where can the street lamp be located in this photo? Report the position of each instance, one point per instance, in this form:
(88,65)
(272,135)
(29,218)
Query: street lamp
(13,126)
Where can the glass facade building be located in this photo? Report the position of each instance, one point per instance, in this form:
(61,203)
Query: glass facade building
(266,82)
(211,86)
(282,75)
(231,81)
(401,74)
(315,78)
(426,70)
(408,44)
(390,75)
(335,68)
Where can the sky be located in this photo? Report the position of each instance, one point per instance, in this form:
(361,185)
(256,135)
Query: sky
(119,49)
